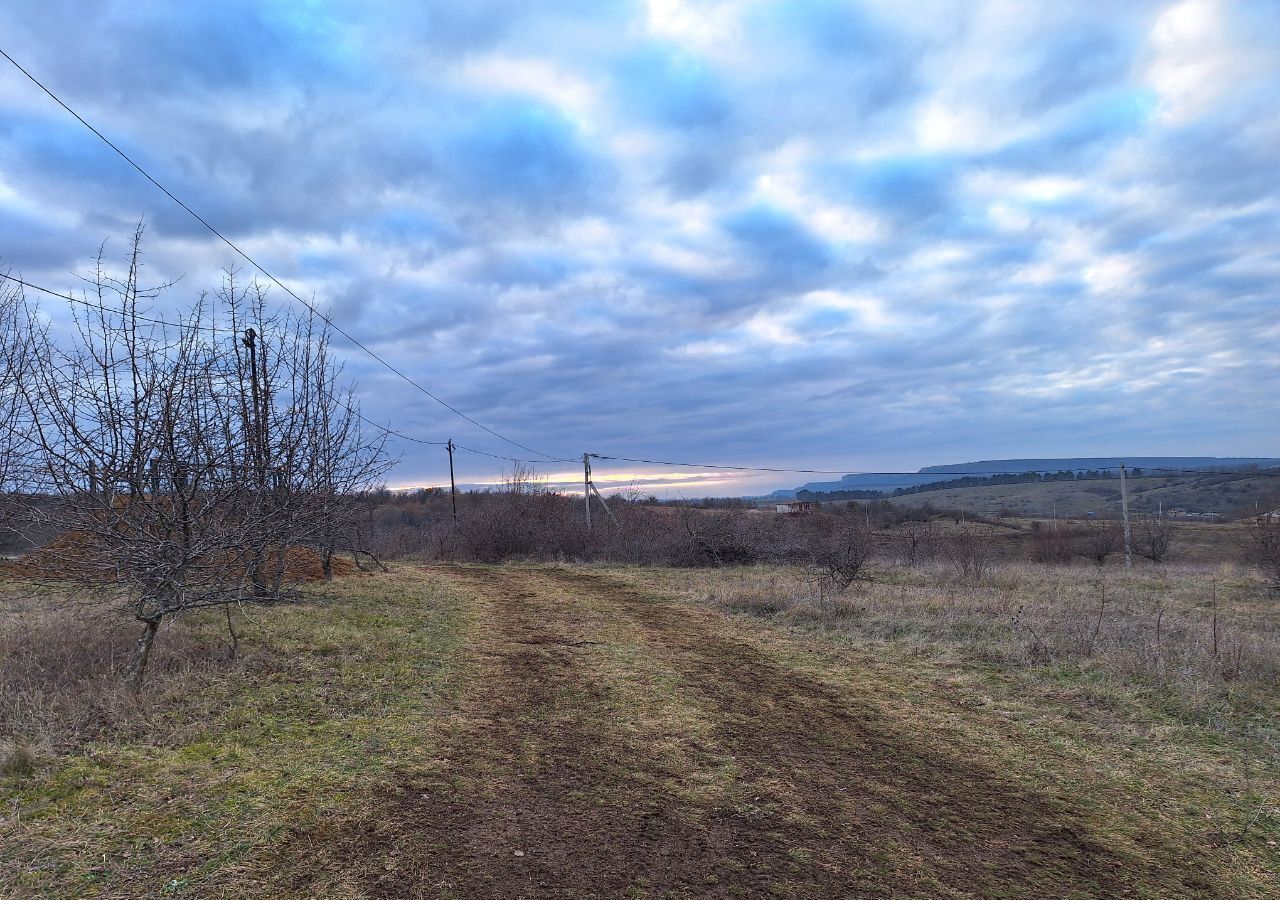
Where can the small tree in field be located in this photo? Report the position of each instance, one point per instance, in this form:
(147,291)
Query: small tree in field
(17,339)
(1262,547)
(180,464)
(917,541)
(969,554)
(842,552)
(1153,538)
(1100,540)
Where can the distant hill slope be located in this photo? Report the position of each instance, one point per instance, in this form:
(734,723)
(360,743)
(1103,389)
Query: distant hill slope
(931,474)
(1231,495)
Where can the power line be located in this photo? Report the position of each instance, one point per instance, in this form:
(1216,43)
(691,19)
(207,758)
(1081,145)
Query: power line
(458,446)
(213,329)
(217,329)
(1158,470)
(99,306)
(263,270)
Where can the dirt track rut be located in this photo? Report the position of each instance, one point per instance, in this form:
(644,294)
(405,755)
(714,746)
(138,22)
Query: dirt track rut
(609,743)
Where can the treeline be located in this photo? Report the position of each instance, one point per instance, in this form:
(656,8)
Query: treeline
(1015,478)
(969,481)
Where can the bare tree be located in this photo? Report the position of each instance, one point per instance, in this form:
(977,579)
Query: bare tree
(917,541)
(19,329)
(181,463)
(1099,541)
(842,552)
(1261,546)
(969,554)
(1153,538)
(716,537)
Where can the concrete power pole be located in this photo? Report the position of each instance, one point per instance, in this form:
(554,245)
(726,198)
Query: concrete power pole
(1124,511)
(586,486)
(453,487)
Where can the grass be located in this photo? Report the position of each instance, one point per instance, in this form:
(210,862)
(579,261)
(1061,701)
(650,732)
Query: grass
(221,759)
(1094,700)
(434,723)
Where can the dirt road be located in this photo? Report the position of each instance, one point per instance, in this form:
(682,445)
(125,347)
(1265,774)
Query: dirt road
(608,743)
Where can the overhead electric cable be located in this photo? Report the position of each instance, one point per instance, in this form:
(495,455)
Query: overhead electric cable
(458,446)
(213,329)
(264,271)
(1161,470)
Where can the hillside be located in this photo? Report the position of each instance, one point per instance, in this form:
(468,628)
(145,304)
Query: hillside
(929,475)
(1230,495)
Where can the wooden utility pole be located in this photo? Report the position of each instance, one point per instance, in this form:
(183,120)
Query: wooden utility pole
(1124,511)
(453,487)
(586,486)
(255,423)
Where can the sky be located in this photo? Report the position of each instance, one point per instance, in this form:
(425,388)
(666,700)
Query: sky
(820,234)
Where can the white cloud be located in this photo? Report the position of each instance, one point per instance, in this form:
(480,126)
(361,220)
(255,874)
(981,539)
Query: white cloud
(1194,60)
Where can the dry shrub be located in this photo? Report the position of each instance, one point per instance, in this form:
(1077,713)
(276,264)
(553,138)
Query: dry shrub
(1153,537)
(62,677)
(841,549)
(968,553)
(1098,541)
(756,593)
(1049,545)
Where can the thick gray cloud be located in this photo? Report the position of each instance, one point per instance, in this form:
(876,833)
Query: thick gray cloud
(820,233)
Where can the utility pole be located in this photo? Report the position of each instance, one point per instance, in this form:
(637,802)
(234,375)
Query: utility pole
(586,486)
(608,511)
(255,424)
(453,487)
(1124,511)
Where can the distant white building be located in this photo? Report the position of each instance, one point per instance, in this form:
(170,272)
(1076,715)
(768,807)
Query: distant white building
(795,507)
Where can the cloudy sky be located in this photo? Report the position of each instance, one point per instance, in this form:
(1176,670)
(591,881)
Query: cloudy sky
(802,233)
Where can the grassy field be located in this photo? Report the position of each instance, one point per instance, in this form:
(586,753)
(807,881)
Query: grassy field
(531,731)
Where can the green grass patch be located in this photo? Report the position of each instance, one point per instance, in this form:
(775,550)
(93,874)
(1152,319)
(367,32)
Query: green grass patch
(343,688)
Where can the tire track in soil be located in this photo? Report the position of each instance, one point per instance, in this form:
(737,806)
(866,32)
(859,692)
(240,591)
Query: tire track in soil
(845,805)
(864,793)
(579,804)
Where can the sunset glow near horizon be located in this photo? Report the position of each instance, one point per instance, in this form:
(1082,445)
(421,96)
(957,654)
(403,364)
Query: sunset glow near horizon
(810,234)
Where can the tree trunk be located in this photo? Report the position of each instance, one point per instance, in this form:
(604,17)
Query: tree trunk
(326,563)
(231,632)
(138,671)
